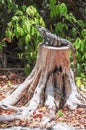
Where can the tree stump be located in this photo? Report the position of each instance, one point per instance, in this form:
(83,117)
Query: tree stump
(50,84)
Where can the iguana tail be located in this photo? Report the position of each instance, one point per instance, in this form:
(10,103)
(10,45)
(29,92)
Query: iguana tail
(73,50)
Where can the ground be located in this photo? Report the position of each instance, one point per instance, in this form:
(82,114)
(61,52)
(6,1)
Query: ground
(8,80)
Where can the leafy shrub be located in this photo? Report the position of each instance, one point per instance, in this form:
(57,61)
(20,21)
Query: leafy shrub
(22,28)
(72,29)
(7,9)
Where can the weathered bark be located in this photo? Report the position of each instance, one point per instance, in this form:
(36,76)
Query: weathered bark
(50,84)
(58,126)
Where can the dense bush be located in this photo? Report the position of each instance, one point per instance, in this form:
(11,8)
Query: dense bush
(75,31)
(21,31)
(7,9)
(17,24)
(22,27)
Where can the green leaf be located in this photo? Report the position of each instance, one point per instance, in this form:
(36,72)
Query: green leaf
(20,55)
(18,31)
(85,54)
(74,32)
(82,45)
(2,2)
(41,22)
(52,2)
(77,43)
(63,9)
(27,69)
(10,35)
(60,113)
(78,81)
(78,67)
(81,23)
(19,13)
(51,14)
(9,84)
(24,7)
(70,17)
(33,31)
(15,18)
(9,24)
(27,38)
(83,33)
(28,26)
(31,11)
(57,10)
(82,75)
(59,29)
(0,46)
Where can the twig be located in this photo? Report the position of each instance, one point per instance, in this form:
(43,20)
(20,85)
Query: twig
(8,69)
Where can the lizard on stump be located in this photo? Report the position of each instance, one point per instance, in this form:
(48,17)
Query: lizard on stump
(56,41)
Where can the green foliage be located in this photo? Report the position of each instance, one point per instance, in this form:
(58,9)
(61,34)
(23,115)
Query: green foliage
(9,84)
(80,81)
(57,9)
(2,45)
(22,27)
(9,4)
(60,113)
(17,24)
(7,8)
(72,29)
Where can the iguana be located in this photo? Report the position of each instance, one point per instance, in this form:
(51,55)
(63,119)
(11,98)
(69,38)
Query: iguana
(55,41)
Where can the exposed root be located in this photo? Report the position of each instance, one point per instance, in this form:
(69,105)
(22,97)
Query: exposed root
(10,108)
(33,85)
(46,121)
(82,93)
(10,117)
(18,93)
(49,92)
(35,100)
(32,73)
(73,99)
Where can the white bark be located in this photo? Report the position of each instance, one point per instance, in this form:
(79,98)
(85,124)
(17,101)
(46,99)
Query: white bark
(18,93)
(10,117)
(72,100)
(49,92)
(10,108)
(34,102)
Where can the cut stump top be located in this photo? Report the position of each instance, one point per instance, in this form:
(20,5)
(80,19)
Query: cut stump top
(53,57)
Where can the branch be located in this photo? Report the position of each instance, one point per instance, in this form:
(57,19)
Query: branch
(8,69)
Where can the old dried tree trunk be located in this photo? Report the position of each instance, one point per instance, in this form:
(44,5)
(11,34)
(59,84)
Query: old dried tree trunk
(50,84)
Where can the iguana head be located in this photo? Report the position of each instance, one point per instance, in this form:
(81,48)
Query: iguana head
(38,27)
(41,29)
